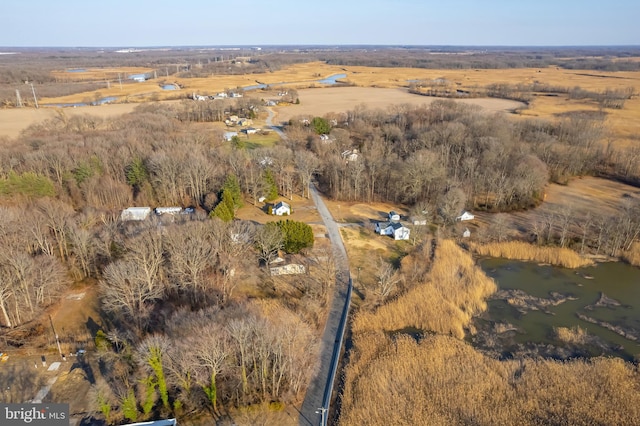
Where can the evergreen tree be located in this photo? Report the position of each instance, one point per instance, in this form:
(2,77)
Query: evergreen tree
(297,235)
(232,187)
(320,125)
(271,188)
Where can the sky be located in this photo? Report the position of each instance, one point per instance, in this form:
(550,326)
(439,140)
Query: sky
(146,23)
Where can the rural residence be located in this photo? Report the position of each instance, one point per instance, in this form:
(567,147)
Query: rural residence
(465,215)
(281,209)
(395,229)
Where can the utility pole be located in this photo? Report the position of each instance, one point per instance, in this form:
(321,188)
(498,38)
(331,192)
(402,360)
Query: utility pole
(19,99)
(56,334)
(120,80)
(34,95)
(322,411)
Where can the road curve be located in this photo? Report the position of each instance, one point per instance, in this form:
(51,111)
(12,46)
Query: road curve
(309,412)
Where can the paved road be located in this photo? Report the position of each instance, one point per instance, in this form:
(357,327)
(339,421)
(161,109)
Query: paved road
(309,412)
(313,399)
(269,122)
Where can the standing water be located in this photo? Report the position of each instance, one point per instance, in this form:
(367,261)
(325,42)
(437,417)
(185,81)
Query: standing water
(603,299)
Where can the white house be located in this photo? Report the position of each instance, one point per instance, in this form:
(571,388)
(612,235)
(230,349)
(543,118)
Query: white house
(250,130)
(465,215)
(466,233)
(281,209)
(135,213)
(395,229)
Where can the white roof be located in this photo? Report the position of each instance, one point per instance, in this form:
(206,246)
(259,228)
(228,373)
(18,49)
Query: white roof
(135,213)
(168,210)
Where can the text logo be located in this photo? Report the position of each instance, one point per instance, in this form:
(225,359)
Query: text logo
(34,414)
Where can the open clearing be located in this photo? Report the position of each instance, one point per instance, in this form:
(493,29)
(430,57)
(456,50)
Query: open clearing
(587,195)
(14,121)
(318,102)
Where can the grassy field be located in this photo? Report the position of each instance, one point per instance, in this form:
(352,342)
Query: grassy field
(583,196)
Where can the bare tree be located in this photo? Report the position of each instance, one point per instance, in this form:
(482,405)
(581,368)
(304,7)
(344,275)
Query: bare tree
(191,254)
(307,165)
(269,240)
(387,278)
(125,291)
(57,215)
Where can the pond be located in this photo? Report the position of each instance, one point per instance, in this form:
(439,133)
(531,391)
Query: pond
(332,79)
(169,87)
(603,299)
(77,70)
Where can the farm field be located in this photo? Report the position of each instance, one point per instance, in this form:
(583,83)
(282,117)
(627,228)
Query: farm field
(391,84)
(583,196)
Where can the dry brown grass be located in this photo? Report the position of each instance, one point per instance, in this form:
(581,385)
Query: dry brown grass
(519,250)
(456,291)
(443,381)
(318,102)
(574,335)
(632,256)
